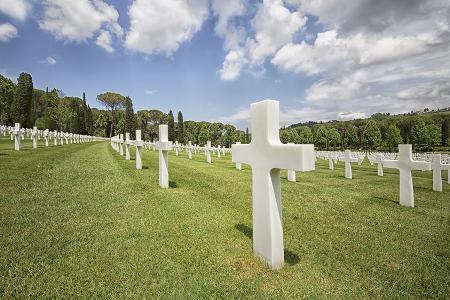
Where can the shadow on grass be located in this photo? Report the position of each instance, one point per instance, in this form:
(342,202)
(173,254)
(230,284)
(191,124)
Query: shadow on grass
(290,257)
(173,184)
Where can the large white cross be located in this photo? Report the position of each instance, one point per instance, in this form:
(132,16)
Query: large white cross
(330,161)
(437,166)
(127,146)
(121,144)
(208,149)
(189,149)
(138,143)
(238,164)
(34,136)
(46,136)
(406,164)
(267,155)
(176,148)
(348,163)
(17,136)
(163,146)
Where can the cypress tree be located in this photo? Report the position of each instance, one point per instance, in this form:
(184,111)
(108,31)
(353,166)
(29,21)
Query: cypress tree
(130,120)
(246,136)
(21,107)
(171,126)
(445,132)
(180,127)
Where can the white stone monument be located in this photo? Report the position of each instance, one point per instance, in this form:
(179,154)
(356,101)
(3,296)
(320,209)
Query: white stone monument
(127,146)
(238,164)
(208,150)
(267,155)
(330,161)
(138,144)
(46,136)
(379,161)
(176,148)
(189,149)
(348,163)
(34,136)
(17,136)
(437,166)
(405,164)
(163,146)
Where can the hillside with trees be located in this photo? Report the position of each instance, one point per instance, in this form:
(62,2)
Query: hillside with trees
(426,131)
(51,109)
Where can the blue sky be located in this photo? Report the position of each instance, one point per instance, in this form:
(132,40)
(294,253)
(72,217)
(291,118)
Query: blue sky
(211,59)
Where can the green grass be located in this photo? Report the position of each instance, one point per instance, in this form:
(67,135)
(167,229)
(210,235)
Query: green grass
(80,221)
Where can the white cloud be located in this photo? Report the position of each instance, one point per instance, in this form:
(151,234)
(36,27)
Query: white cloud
(80,20)
(50,60)
(350,115)
(226,11)
(242,114)
(274,26)
(149,92)
(104,40)
(17,9)
(232,66)
(7,32)
(161,26)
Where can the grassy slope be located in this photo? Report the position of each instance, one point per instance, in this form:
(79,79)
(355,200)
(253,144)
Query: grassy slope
(79,220)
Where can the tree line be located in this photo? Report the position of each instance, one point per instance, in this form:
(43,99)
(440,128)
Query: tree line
(21,102)
(426,131)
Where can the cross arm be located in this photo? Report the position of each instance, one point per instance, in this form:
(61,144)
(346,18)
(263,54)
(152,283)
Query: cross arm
(241,153)
(393,164)
(293,157)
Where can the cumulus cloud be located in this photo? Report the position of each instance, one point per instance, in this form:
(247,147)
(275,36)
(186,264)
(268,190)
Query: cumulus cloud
(161,26)
(149,92)
(232,66)
(7,32)
(17,9)
(50,60)
(274,26)
(80,20)
(104,40)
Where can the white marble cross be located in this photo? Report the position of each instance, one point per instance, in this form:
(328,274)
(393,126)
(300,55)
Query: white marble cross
(208,149)
(238,164)
(267,155)
(127,146)
(218,151)
(46,136)
(138,144)
(17,136)
(34,136)
(121,144)
(406,164)
(330,161)
(163,146)
(176,148)
(348,163)
(189,149)
(437,166)
(379,161)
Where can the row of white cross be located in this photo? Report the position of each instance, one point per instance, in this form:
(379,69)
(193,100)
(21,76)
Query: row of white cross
(18,134)
(267,156)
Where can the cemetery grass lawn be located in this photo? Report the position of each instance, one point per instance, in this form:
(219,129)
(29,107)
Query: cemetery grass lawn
(80,221)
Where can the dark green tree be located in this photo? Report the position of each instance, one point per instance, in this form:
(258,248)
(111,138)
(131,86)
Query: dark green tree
(180,128)
(393,137)
(371,135)
(21,107)
(7,93)
(418,132)
(305,135)
(130,118)
(113,102)
(445,132)
(321,137)
(171,126)
(433,135)
(350,137)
